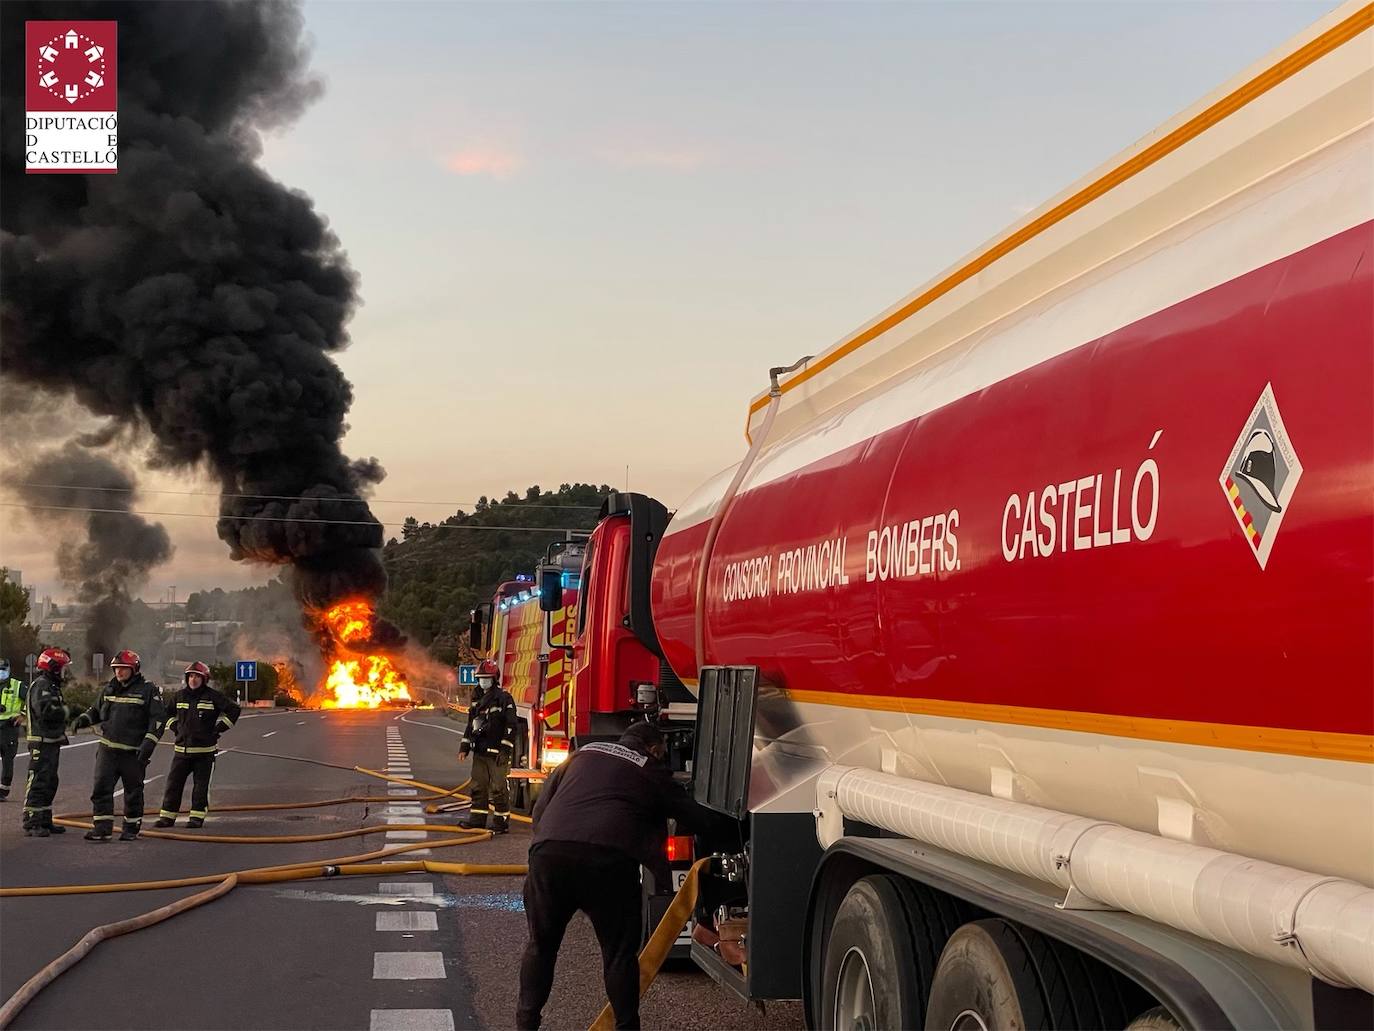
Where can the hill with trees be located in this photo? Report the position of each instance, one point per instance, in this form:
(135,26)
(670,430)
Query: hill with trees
(440,571)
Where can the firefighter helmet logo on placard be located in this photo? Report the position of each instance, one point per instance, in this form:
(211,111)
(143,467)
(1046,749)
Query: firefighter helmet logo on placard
(1260,475)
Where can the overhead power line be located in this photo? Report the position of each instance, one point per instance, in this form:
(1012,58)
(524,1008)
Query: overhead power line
(276,519)
(298,497)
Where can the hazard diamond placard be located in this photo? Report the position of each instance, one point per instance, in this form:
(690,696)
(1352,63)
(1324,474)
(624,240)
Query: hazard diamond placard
(71,119)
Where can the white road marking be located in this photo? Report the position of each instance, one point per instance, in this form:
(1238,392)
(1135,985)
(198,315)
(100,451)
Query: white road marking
(269,733)
(416,723)
(411,1020)
(406,835)
(300,723)
(405,887)
(408,966)
(408,921)
(404,810)
(401,792)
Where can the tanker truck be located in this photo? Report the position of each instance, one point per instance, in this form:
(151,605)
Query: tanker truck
(1033,637)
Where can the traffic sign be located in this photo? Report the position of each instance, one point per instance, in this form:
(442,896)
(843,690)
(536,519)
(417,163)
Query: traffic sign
(467,675)
(246,669)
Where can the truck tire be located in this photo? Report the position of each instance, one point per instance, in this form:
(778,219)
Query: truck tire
(995,974)
(880,956)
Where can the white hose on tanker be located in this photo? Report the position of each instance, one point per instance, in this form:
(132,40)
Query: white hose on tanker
(726,499)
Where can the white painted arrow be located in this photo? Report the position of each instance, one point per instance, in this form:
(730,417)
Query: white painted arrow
(48,79)
(73,92)
(95,80)
(95,53)
(48,54)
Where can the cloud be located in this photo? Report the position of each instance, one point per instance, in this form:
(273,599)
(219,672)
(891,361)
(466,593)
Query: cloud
(679,159)
(497,162)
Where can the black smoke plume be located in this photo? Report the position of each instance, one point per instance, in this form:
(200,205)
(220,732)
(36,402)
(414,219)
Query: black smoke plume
(120,547)
(191,299)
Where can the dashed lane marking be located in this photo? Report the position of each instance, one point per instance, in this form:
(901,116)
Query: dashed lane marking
(408,921)
(411,1020)
(408,966)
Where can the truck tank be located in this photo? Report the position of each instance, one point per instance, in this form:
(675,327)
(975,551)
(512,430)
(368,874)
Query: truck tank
(1088,521)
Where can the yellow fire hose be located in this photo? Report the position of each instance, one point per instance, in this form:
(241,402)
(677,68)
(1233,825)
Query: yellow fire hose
(660,943)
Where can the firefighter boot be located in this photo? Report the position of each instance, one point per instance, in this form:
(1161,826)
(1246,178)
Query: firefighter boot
(195,823)
(129,833)
(4,792)
(100,832)
(500,823)
(474,822)
(163,821)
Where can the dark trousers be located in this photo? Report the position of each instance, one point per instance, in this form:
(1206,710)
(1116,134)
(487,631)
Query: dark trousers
(117,766)
(489,785)
(567,876)
(42,784)
(9,748)
(200,766)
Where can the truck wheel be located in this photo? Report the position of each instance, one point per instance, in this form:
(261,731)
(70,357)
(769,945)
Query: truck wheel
(985,982)
(872,974)
(997,974)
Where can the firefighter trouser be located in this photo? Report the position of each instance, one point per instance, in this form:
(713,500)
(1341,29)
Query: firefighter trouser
(567,876)
(489,787)
(201,766)
(117,765)
(42,785)
(9,748)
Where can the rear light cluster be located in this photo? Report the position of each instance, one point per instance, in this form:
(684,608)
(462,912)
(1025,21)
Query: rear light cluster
(679,848)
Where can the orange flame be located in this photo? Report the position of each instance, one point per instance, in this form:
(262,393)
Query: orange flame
(357,681)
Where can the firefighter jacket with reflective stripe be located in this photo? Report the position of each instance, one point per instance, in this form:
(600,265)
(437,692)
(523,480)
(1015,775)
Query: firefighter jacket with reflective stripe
(129,713)
(197,719)
(11,701)
(491,724)
(46,712)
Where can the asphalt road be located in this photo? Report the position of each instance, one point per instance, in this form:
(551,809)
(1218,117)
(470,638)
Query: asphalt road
(415,951)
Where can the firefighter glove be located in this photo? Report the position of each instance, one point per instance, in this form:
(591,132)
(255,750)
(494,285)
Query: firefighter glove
(145,752)
(84,720)
(505,755)
(463,750)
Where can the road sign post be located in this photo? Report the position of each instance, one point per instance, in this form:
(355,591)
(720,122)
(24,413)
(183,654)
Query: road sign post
(245,672)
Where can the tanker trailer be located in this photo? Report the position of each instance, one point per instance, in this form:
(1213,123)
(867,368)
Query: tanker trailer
(1034,636)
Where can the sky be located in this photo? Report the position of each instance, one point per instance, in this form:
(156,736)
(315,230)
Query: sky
(585,231)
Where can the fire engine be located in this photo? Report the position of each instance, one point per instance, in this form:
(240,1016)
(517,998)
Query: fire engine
(1033,638)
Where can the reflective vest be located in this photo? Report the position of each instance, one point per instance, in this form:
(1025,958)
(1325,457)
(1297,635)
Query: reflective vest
(10,705)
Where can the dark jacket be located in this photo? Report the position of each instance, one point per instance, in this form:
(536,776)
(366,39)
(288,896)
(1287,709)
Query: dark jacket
(197,719)
(613,796)
(491,725)
(129,713)
(46,711)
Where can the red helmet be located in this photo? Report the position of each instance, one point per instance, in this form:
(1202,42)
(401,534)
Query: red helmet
(126,658)
(488,668)
(197,667)
(54,660)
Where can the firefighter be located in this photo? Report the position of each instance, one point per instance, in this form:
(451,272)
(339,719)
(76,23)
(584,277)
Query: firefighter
(131,715)
(601,816)
(199,715)
(11,711)
(46,714)
(490,737)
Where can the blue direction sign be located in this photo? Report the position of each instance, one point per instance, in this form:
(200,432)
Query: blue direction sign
(467,675)
(246,669)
